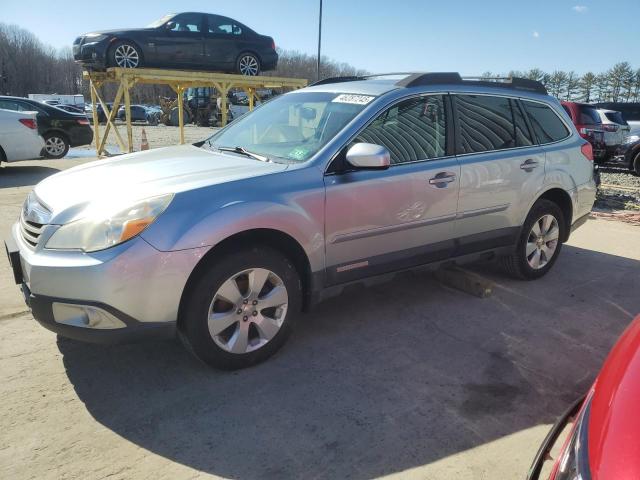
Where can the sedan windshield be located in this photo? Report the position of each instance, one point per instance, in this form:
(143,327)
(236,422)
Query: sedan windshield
(291,128)
(161,21)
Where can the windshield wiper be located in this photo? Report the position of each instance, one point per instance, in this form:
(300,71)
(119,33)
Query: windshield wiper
(246,153)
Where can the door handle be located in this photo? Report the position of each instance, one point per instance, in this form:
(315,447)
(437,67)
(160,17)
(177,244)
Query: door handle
(528,165)
(442,179)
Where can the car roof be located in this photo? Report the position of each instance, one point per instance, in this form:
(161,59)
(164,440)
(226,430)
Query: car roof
(380,84)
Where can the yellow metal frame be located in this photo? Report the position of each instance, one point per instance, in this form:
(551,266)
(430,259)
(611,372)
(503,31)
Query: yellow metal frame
(178,80)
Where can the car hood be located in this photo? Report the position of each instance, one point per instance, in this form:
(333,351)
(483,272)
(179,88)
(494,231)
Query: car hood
(118,31)
(142,175)
(614,423)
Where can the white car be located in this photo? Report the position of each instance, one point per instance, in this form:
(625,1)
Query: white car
(19,138)
(615,129)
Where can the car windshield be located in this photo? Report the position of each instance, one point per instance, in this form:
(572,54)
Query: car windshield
(161,21)
(291,128)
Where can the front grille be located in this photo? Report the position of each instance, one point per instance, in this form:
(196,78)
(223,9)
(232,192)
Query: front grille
(33,218)
(30,231)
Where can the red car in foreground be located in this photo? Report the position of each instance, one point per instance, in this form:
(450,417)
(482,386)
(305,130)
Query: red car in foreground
(587,121)
(604,442)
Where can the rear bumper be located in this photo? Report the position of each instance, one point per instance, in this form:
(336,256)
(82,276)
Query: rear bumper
(80,135)
(269,61)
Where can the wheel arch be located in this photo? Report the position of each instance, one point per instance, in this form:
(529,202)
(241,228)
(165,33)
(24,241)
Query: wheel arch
(561,198)
(276,239)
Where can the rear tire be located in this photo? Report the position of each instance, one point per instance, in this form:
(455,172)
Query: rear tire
(248,64)
(539,243)
(56,145)
(241,311)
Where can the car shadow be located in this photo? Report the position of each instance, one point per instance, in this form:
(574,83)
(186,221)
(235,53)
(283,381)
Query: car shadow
(375,381)
(23,175)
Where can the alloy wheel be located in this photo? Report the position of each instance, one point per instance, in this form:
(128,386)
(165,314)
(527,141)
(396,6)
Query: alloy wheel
(54,146)
(248,310)
(542,242)
(248,65)
(126,56)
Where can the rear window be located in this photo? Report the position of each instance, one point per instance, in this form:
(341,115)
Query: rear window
(486,123)
(615,117)
(546,124)
(588,116)
(630,111)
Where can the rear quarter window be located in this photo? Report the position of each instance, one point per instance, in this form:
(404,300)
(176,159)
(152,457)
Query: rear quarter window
(546,124)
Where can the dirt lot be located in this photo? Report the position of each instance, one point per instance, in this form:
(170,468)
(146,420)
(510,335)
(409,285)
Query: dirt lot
(408,378)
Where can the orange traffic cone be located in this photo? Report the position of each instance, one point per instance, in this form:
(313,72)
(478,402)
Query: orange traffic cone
(144,145)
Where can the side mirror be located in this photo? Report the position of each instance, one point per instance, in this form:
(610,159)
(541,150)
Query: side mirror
(170,25)
(369,156)
(308,113)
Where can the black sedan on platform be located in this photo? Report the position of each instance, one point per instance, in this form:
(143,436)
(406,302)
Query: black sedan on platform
(59,129)
(194,41)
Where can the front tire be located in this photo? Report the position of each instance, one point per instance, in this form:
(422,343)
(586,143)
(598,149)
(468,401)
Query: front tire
(635,164)
(241,311)
(56,145)
(539,243)
(248,64)
(125,55)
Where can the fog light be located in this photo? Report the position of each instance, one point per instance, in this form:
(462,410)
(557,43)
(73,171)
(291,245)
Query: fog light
(85,316)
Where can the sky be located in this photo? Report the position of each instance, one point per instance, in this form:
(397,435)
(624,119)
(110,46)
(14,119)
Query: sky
(470,37)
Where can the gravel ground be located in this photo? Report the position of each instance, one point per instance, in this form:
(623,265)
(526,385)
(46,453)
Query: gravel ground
(627,194)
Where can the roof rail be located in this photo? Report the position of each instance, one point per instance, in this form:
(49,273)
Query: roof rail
(350,78)
(439,78)
(517,83)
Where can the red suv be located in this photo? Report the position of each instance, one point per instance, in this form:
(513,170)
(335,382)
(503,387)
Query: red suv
(587,121)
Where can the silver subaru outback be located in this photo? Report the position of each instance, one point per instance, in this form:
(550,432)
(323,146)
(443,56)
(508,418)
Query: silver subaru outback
(226,241)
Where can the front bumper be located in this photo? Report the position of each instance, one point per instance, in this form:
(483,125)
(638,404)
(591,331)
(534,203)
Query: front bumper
(92,53)
(125,293)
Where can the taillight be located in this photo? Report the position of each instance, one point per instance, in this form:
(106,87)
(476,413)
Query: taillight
(29,123)
(273,44)
(83,121)
(610,127)
(587,151)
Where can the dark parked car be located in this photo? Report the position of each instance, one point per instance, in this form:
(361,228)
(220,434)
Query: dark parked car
(184,40)
(138,113)
(629,153)
(60,130)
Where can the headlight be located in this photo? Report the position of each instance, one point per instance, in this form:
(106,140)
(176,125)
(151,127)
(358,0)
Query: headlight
(574,460)
(95,37)
(102,226)
(632,138)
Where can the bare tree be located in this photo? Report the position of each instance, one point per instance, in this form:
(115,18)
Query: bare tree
(587,84)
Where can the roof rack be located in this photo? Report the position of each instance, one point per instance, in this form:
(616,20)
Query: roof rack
(439,78)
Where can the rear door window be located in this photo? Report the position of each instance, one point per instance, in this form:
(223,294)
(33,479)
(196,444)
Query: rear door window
(486,123)
(545,122)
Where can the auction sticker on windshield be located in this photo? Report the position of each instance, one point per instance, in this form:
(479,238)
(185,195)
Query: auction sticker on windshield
(355,99)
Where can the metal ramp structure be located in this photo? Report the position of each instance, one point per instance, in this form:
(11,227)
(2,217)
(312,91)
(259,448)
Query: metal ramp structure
(179,81)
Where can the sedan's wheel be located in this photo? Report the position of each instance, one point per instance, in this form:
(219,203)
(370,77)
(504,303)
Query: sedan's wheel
(126,55)
(248,64)
(636,165)
(539,243)
(241,310)
(55,145)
